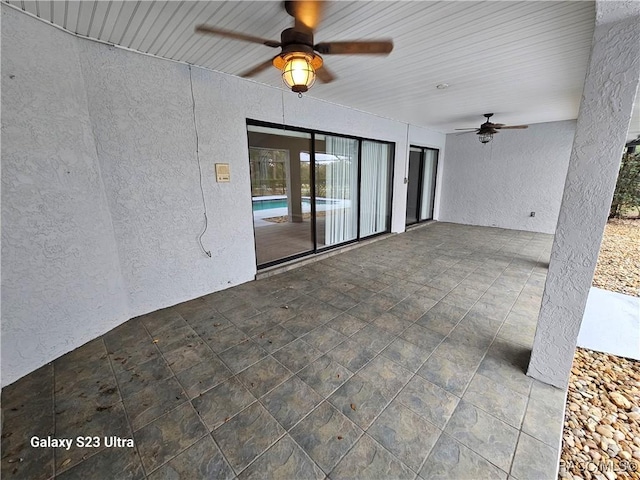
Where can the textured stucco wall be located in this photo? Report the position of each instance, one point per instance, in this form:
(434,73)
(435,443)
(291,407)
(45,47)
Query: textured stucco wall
(117,236)
(610,88)
(142,116)
(500,183)
(61,281)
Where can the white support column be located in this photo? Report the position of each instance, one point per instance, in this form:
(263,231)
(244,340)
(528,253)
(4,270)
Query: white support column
(610,88)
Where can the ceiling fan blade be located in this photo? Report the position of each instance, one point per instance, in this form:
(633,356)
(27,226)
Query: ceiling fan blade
(257,69)
(463,133)
(325,75)
(467,128)
(307,13)
(236,36)
(372,47)
(511,127)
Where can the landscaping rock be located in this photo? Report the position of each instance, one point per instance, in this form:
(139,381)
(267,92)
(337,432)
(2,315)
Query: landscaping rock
(601,438)
(618,268)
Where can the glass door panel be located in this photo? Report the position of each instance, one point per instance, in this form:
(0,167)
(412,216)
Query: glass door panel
(336,181)
(375,188)
(429,168)
(280,192)
(413,186)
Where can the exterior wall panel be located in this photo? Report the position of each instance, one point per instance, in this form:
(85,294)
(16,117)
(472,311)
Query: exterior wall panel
(500,183)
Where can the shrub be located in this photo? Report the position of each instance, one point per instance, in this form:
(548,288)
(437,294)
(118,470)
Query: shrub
(627,193)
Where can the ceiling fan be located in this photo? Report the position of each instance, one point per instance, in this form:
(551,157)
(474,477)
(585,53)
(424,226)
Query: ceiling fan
(487,130)
(299,58)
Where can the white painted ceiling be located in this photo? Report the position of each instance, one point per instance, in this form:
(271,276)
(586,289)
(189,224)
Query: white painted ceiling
(524,61)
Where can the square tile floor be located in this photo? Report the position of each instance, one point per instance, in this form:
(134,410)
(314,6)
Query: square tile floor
(400,359)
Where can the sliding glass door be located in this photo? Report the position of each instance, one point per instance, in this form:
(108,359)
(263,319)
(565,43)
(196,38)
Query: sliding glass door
(429,167)
(312,191)
(280,193)
(336,172)
(421,187)
(375,187)
(413,185)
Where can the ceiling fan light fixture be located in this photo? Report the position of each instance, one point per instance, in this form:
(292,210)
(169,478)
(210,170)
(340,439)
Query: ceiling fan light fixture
(485,137)
(298,70)
(298,61)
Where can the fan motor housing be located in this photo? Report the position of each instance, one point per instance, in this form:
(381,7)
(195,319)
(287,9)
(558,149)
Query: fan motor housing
(297,42)
(296,36)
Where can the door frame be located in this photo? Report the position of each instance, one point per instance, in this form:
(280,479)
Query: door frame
(421,192)
(312,161)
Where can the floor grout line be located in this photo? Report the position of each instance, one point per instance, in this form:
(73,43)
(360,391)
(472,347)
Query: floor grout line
(187,400)
(124,408)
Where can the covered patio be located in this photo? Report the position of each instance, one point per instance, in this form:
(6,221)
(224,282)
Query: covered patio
(404,358)
(144,333)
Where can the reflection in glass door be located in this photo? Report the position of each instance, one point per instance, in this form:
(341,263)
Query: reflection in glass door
(421,188)
(336,175)
(280,193)
(312,191)
(429,167)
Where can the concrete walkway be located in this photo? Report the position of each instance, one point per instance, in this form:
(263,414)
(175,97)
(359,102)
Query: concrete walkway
(611,324)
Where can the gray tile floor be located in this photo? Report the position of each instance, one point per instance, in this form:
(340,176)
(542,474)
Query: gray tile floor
(400,359)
